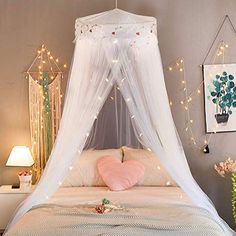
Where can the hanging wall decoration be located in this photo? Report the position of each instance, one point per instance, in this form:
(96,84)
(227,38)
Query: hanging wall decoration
(45,100)
(220,88)
(220,97)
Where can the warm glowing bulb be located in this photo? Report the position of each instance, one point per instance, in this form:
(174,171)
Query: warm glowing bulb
(226,45)
(170,68)
(180,69)
(64,65)
(171,103)
(51,57)
(57,60)
(114,61)
(198,91)
(182,102)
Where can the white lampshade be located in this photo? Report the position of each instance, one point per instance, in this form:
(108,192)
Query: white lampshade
(20,156)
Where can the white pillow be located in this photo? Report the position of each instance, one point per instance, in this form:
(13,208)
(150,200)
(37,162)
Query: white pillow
(84,172)
(155,174)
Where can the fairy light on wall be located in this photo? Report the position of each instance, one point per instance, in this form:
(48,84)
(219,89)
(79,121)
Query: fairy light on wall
(45,101)
(178,67)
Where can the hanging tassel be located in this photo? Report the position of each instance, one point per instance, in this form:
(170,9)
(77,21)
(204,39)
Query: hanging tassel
(206,149)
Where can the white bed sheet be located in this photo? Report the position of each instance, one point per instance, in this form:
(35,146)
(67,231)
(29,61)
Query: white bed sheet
(140,196)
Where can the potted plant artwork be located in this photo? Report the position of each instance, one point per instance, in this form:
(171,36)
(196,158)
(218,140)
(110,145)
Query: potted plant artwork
(223,96)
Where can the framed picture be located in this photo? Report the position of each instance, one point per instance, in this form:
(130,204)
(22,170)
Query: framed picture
(220,97)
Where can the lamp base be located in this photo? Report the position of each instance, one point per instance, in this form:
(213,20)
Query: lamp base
(15,186)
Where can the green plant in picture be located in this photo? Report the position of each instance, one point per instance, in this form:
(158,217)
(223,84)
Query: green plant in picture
(223,95)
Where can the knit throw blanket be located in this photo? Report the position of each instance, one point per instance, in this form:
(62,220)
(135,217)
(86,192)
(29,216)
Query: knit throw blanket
(162,220)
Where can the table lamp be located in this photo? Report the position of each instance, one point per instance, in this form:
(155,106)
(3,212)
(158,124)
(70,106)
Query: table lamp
(21,156)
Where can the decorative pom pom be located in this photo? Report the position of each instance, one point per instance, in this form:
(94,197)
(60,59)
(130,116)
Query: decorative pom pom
(206,149)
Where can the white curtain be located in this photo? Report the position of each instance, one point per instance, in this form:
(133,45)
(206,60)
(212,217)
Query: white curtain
(126,54)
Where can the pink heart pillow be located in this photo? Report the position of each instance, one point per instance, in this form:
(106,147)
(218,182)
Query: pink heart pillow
(119,176)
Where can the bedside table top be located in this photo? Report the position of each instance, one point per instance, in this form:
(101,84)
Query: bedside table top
(7,189)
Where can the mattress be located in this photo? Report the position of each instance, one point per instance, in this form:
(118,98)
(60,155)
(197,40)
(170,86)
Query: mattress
(145,211)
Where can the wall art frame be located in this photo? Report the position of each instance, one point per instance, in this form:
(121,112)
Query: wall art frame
(220,97)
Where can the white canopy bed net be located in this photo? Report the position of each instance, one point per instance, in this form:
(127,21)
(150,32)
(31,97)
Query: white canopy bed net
(120,49)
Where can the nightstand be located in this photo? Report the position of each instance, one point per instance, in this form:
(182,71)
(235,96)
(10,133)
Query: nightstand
(9,200)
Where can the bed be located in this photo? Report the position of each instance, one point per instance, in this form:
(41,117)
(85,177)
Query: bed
(154,206)
(142,211)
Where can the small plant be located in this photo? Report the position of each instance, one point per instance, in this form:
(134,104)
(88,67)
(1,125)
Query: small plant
(223,96)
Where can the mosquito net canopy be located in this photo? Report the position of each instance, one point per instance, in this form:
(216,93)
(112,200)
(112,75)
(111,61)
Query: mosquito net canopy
(117,50)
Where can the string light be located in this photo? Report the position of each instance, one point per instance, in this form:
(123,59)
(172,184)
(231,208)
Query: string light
(189,96)
(114,61)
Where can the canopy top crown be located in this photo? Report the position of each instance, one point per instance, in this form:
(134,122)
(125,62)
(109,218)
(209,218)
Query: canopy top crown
(115,22)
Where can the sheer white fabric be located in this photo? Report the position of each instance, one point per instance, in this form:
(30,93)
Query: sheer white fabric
(124,52)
